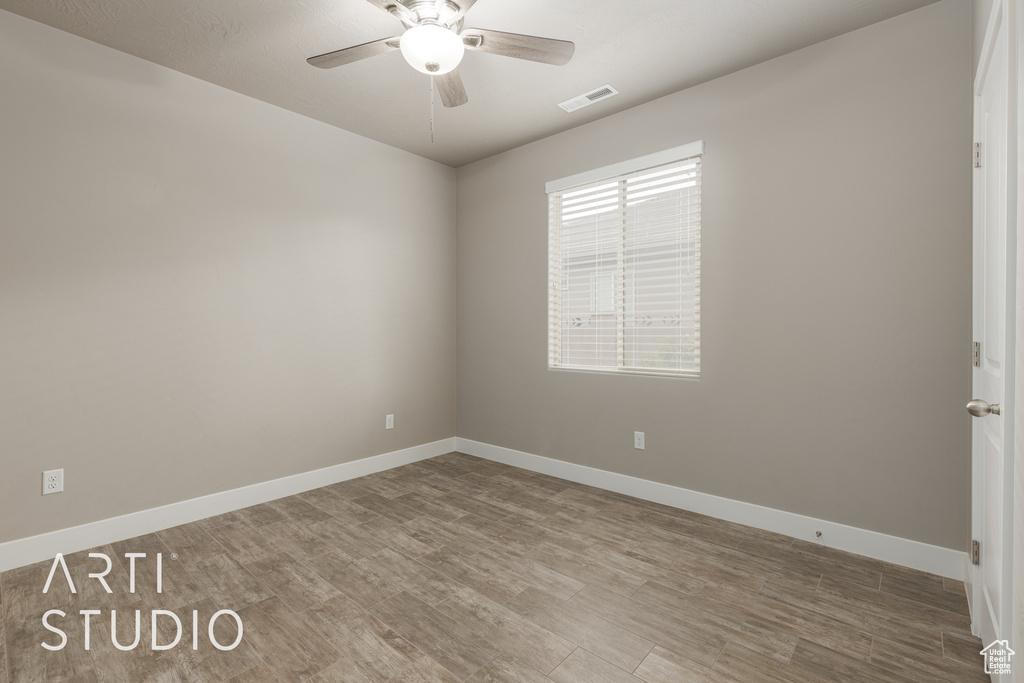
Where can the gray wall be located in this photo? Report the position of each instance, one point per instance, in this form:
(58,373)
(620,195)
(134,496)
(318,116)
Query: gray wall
(199,291)
(836,288)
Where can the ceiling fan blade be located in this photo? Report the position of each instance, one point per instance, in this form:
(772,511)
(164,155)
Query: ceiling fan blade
(330,60)
(396,8)
(451,89)
(463,5)
(533,48)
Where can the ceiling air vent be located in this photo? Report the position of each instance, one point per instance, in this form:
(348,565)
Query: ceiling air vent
(588,98)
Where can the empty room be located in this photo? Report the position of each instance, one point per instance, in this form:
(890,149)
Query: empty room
(511,341)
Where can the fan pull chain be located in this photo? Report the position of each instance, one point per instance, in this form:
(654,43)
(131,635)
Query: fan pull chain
(431,108)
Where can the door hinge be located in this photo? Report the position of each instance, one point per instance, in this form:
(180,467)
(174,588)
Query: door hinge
(976,354)
(977,155)
(975,552)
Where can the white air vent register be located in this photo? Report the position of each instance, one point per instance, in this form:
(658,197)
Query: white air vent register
(588,98)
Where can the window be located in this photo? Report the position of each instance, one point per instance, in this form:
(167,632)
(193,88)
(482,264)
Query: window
(624,266)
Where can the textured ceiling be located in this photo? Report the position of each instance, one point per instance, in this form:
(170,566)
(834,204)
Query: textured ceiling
(645,49)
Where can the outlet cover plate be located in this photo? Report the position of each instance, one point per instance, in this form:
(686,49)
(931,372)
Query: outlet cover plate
(638,440)
(53,481)
(389,422)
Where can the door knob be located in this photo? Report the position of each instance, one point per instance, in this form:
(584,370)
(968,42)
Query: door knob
(979,408)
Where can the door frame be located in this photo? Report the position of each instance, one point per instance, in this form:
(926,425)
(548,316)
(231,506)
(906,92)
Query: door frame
(1003,17)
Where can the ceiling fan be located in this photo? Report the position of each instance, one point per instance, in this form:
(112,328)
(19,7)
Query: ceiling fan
(434,43)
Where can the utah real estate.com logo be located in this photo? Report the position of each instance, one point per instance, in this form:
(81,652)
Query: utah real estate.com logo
(997,657)
(155,614)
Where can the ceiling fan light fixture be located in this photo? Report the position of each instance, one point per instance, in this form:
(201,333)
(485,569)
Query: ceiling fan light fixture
(432,49)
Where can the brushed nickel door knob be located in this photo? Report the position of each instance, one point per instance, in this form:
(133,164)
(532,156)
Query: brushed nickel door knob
(979,408)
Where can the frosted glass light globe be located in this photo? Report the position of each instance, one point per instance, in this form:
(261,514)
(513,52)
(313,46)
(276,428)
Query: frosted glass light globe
(432,49)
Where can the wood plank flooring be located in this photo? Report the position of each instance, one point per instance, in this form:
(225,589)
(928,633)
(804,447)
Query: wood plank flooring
(457,569)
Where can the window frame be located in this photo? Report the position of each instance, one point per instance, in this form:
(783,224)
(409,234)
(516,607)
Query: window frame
(610,173)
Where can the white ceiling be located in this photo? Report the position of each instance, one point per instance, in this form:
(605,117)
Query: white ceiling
(645,49)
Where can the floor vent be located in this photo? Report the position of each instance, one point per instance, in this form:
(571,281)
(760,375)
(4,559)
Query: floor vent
(588,98)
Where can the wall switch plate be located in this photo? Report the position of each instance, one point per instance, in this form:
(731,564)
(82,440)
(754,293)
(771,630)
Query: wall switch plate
(53,482)
(389,422)
(638,440)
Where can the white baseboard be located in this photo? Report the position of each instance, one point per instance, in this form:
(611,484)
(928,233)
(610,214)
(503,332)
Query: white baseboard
(901,551)
(26,551)
(929,558)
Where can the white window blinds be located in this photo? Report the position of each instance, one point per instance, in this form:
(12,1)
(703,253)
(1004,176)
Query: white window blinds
(624,266)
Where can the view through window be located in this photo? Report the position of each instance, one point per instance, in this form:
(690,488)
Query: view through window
(624,266)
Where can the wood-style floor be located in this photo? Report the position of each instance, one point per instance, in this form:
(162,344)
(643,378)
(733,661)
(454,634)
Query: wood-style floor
(459,569)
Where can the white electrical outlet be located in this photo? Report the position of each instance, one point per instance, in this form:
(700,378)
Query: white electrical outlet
(638,440)
(389,422)
(53,482)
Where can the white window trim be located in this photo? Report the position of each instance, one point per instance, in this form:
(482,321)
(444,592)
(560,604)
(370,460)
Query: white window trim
(621,168)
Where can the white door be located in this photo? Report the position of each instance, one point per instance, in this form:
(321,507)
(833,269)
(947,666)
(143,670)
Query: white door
(994,328)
